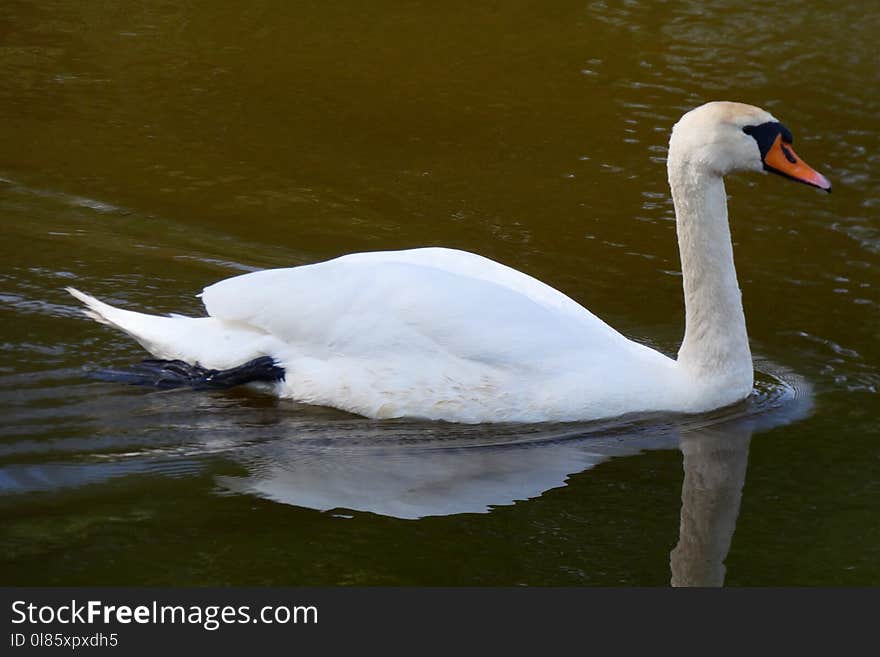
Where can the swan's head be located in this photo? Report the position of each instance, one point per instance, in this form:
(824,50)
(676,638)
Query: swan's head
(724,137)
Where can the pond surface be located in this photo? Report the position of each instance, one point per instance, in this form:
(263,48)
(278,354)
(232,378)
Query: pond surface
(150,149)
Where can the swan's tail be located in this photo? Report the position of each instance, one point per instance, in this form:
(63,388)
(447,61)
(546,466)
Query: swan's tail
(208,342)
(105,313)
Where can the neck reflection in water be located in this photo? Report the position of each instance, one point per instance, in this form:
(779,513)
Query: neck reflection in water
(715,461)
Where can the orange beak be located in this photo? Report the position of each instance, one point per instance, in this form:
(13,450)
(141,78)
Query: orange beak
(782,159)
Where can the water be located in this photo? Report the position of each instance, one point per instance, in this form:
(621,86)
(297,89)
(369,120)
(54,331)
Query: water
(151,150)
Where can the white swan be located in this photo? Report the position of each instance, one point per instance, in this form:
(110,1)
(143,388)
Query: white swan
(448,335)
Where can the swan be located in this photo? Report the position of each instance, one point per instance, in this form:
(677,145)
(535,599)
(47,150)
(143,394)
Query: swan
(444,334)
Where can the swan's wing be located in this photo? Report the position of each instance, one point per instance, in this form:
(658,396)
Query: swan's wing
(362,305)
(481,268)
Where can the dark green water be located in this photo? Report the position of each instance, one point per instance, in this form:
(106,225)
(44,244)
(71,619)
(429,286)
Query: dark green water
(150,148)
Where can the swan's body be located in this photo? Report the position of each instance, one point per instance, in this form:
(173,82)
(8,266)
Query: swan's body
(445,334)
(434,333)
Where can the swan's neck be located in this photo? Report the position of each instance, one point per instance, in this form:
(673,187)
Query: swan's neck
(715,346)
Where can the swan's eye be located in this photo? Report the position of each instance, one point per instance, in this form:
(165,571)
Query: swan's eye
(787,137)
(766,133)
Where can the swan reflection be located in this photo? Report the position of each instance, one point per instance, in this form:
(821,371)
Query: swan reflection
(427,478)
(456,472)
(330,461)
